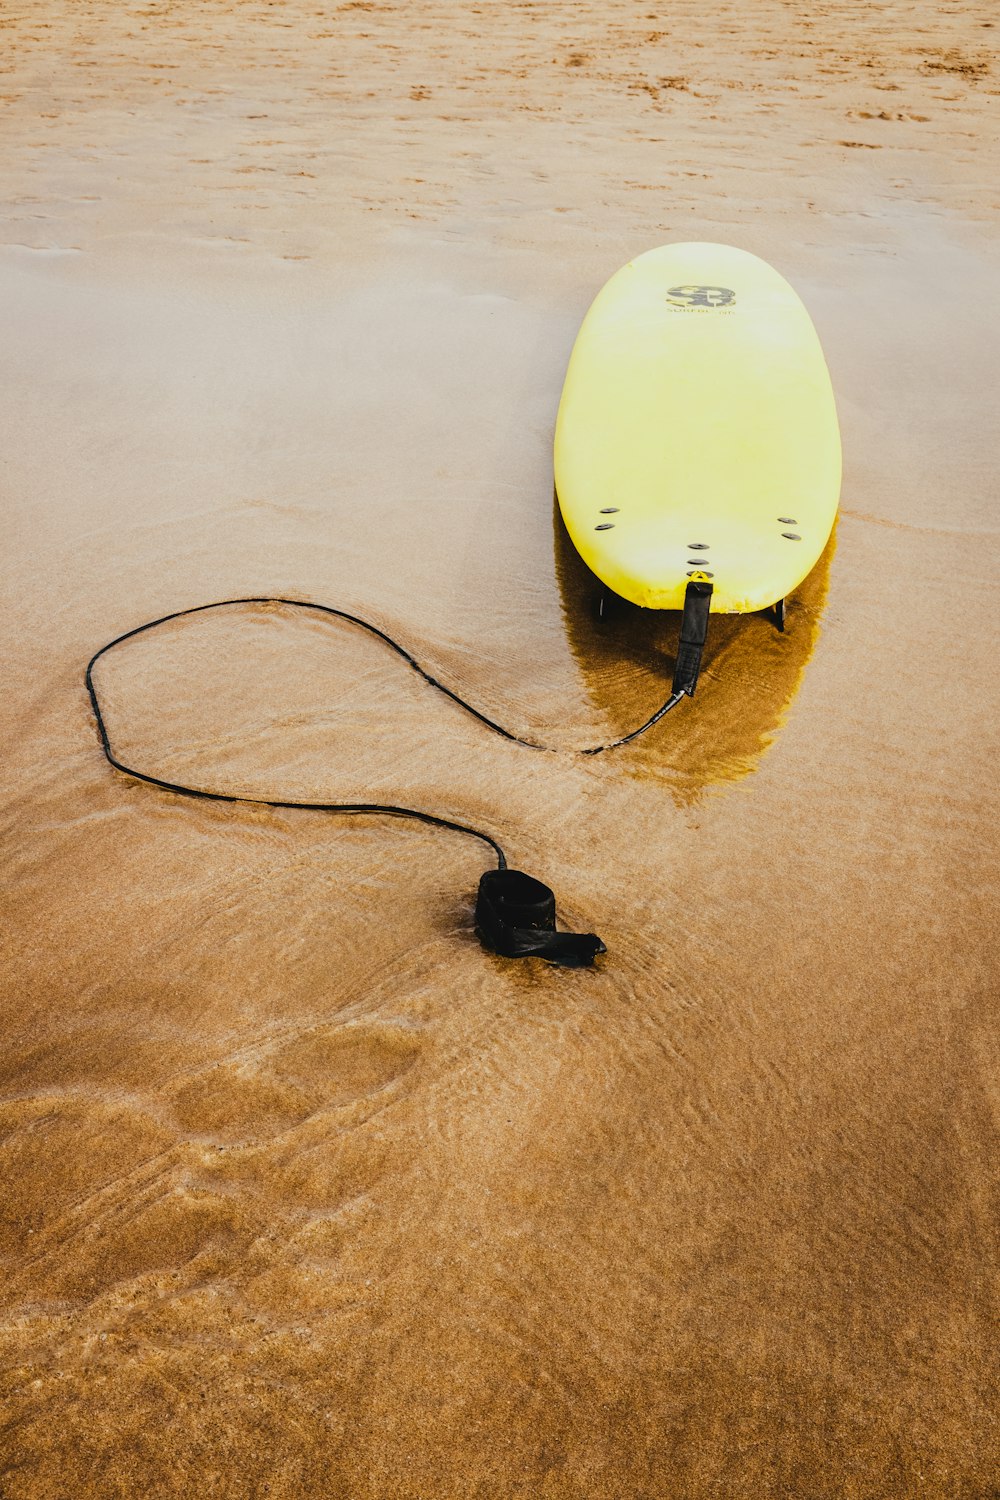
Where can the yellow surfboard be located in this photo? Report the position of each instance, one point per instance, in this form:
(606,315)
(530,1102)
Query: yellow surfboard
(697,434)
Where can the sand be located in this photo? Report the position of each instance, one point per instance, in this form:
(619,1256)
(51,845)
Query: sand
(303,1193)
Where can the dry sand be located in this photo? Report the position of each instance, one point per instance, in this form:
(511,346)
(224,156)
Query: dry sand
(304,1194)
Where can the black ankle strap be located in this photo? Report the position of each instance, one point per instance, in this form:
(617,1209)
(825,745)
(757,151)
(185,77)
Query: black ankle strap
(516,917)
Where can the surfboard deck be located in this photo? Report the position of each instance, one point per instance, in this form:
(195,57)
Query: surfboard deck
(697,432)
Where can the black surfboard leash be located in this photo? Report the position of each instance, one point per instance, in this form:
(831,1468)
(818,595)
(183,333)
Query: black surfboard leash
(515,913)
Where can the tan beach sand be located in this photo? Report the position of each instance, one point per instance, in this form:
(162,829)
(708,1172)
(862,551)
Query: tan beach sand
(303,1193)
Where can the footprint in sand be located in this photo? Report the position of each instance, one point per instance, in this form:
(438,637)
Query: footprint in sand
(347,1062)
(118,1201)
(133,1198)
(238,1104)
(254,1099)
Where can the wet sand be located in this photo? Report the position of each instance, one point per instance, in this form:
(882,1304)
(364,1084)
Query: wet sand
(304,1194)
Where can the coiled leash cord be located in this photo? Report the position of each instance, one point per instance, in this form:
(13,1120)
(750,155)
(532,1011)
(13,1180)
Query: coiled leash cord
(515,914)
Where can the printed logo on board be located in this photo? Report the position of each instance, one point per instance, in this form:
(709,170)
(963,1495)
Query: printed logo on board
(701,296)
